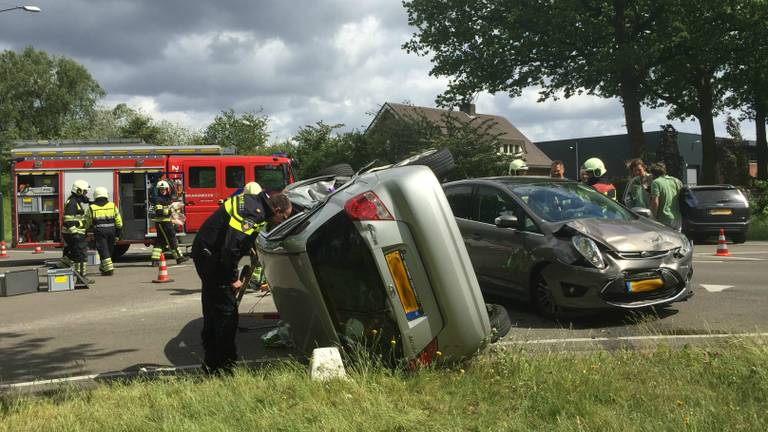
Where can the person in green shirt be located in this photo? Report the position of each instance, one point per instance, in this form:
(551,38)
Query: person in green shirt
(638,190)
(665,190)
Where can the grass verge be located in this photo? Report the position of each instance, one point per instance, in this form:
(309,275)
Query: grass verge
(723,387)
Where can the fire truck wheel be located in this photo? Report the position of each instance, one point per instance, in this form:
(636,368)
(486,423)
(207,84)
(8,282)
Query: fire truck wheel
(343,169)
(440,161)
(120,250)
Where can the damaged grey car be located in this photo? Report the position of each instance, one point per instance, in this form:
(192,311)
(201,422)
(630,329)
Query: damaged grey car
(563,246)
(376,259)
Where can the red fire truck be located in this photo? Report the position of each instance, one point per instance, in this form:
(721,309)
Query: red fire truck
(42,174)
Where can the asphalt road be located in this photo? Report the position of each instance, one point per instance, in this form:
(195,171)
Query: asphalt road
(126,322)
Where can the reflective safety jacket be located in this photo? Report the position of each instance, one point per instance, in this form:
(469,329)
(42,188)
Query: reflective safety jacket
(104,215)
(228,234)
(605,188)
(160,208)
(75,219)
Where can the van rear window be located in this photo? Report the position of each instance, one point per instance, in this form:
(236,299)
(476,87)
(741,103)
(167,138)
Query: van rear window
(202,177)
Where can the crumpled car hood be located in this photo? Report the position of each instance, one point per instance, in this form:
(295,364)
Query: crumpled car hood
(628,236)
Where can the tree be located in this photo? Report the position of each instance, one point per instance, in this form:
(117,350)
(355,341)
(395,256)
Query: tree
(41,94)
(246,133)
(605,48)
(317,147)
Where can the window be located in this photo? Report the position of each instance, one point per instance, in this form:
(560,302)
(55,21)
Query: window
(235,176)
(202,177)
(270,178)
(459,198)
(493,202)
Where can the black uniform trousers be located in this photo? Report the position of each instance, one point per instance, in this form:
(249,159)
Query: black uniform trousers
(75,248)
(220,317)
(166,239)
(105,243)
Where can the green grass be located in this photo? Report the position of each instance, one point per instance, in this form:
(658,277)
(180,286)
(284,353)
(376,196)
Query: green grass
(758,228)
(719,388)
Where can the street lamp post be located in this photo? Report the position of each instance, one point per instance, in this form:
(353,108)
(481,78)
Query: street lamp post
(577,171)
(24,8)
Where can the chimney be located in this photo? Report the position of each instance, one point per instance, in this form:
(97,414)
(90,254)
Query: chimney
(468,108)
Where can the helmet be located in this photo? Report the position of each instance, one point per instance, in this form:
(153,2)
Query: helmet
(517,165)
(162,184)
(595,166)
(100,192)
(252,188)
(80,187)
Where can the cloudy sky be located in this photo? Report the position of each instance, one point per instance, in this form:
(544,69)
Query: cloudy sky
(300,61)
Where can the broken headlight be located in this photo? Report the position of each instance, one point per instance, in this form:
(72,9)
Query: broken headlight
(589,250)
(685,249)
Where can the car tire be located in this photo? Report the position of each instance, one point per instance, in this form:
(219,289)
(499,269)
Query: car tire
(500,321)
(120,250)
(344,170)
(542,298)
(440,161)
(739,237)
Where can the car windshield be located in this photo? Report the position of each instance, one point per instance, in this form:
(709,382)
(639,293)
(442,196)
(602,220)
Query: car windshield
(556,202)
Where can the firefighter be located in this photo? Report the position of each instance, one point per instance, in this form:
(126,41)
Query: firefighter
(104,218)
(595,172)
(160,213)
(518,167)
(74,227)
(223,239)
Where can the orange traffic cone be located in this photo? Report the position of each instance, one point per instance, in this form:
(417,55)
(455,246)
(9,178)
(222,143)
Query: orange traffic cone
(38,250)
(162,274)
(3,251)
(722,246)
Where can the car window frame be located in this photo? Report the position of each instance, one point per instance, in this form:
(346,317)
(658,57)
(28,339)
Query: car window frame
(472,198)
(503,191)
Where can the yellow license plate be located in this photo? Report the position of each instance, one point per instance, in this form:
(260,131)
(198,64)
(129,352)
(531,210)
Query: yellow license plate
(721,212)
(644,285)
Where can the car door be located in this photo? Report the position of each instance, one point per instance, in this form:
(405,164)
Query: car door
(202,193)
(500,254)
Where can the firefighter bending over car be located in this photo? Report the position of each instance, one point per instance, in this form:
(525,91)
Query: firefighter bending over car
(161,209)
(104,218)
(74,227)
(223,239)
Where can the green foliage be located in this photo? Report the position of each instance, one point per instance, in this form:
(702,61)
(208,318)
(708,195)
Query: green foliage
(246,132)
(758,198)
(732,156)
(317,147)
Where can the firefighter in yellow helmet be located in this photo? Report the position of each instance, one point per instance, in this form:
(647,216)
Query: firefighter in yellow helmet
(518,167)
(104,219)
(74,226)
(595,172)
(160,213)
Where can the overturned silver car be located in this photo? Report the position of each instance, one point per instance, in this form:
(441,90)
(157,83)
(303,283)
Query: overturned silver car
(377,259)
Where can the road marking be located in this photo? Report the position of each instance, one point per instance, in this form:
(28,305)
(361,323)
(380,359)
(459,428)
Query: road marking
(731,258)
(716,288)
(707,261)
(631,338)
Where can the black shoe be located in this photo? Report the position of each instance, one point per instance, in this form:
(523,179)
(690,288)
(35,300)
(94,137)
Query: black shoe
(182,259)
(108,273)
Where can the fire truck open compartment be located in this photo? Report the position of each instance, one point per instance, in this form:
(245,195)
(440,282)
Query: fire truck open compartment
(37,207)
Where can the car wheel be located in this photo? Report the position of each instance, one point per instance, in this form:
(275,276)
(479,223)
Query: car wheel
(739,237)
(439,161)
(542,298)
(500,321)
(344,170)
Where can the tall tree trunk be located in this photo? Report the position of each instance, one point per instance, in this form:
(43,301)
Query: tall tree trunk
(630,98)
(710,168)
(762,145)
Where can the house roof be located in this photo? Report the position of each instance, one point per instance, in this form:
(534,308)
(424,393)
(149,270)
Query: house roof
(499,125)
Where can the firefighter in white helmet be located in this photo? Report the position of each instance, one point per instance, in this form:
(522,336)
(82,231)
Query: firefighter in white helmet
(74,227)
(107,225)
(160,213)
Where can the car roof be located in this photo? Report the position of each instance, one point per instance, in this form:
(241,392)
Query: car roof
(711,187)
(512,180)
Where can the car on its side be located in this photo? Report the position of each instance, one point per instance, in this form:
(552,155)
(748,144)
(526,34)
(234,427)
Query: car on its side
(376,260)
(707,209)
(564,246)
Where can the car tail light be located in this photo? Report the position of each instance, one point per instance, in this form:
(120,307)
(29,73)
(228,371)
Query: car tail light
(403,285)
(428,355)
(367,206)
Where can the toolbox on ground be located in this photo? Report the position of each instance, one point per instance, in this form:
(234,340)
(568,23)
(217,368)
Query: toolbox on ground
(18,282)
(61,279)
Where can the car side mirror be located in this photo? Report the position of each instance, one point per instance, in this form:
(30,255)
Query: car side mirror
(506,221)
(642,211)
